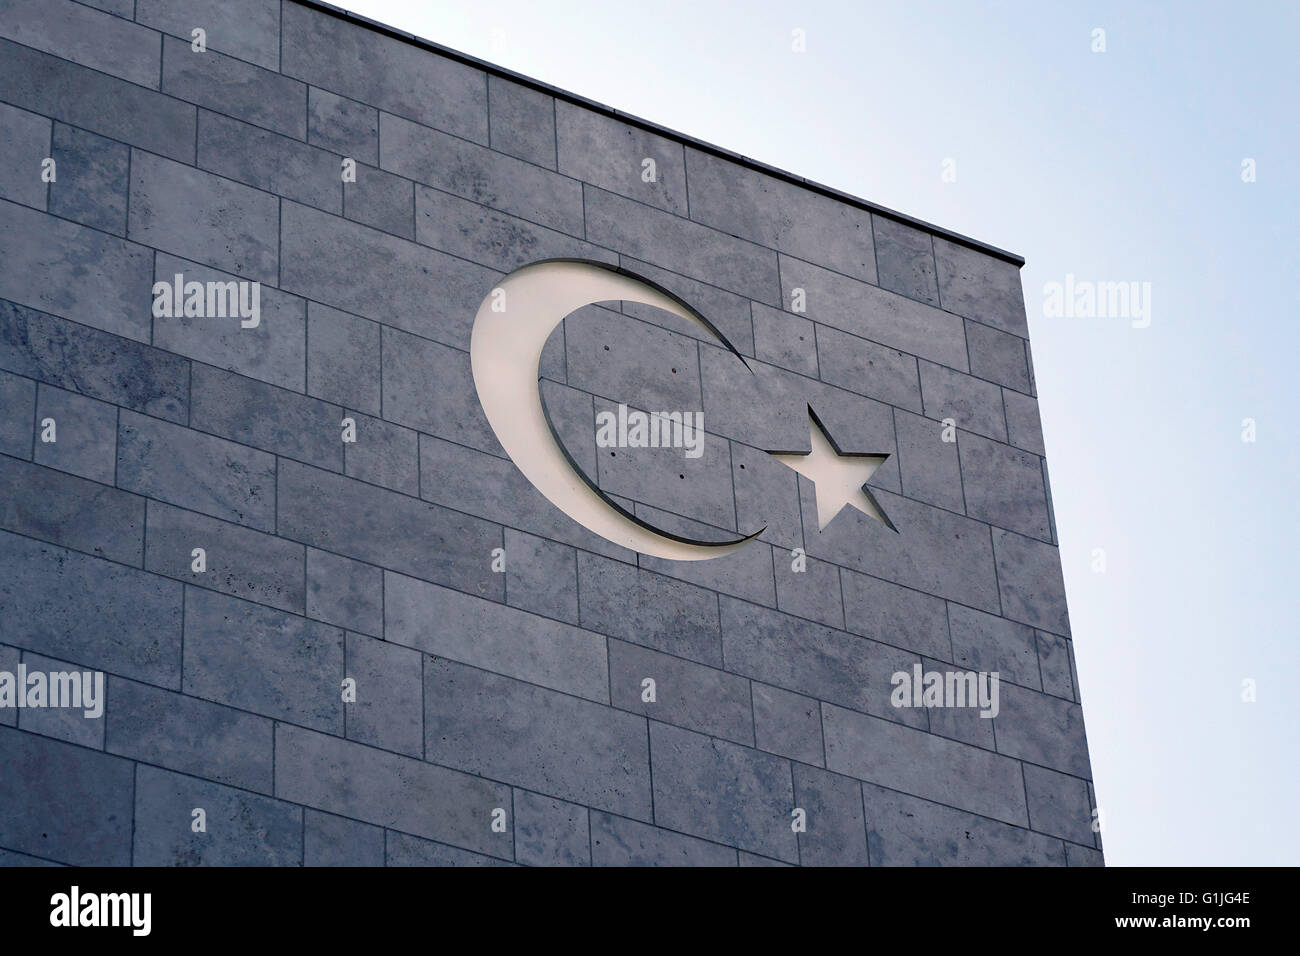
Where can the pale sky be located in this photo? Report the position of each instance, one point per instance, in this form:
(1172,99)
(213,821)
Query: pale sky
(1122,165)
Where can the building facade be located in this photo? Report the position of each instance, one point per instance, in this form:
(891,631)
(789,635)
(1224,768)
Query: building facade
(255,515)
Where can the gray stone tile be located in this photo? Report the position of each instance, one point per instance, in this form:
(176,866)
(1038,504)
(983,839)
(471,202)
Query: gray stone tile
(389,709)
(119,48)
(767,497)
(343,126)
(780,215)
(261,660)
(17,407)
(24,145)
(203,217)
(611,154)
(85,432)
(71,511)
(64,802)
(787,724)
(266,417)
(746,573)
(649,609)
(277,164)
(813,593)
(868,369)
(906,831)
(404,850)
(785,339)
(1024,429)
(343,358)
(929,467)
(975,405)
(902,758)
(8,858)
(667,477)
(873,313)
(1004,486)
(836,834)
(248,564)
(980,287)
(242,829)
(329,840)
(537,738)
(550,832)
(82,609)
(248,29)
(94,363)
(120,8)
(345,592)
(1044,730)
(235,88)
(189,735)
(753,859)
(933,551)
(686,694)
(480,233)
(474,172)
(1082,856)
(84,97)
(723,792)
(408,286)
(960,723)
(381,200)
(481,484)
(905,257)
(727,312)
(895,615)
(985,642)
(625,360)
(383,454)
(74,271)
(72,724)
(1030,582)
(451,410)
(805,657)
(1054,663)
(485,634)
(272,351)
(767,407)
(197,471)
(521,121)
(671,242)
(92,179)
(541,576)
(386,72)
(997,356)
(1058,804)
(616,841)
(9,657)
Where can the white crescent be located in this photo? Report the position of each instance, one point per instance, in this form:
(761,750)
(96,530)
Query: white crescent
(510,331)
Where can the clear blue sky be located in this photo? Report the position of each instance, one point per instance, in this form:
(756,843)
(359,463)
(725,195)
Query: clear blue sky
(1115,166)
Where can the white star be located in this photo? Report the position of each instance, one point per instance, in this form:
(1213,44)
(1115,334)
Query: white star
(839,477)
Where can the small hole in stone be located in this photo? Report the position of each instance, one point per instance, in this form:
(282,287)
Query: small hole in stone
(606,348)
(611,454)
(674,371)
(742,467)
(681,476)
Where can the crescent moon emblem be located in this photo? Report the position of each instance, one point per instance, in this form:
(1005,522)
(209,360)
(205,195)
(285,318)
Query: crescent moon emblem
(510,330)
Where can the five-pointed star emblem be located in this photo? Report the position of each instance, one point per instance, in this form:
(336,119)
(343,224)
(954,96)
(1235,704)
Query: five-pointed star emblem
(839,477)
